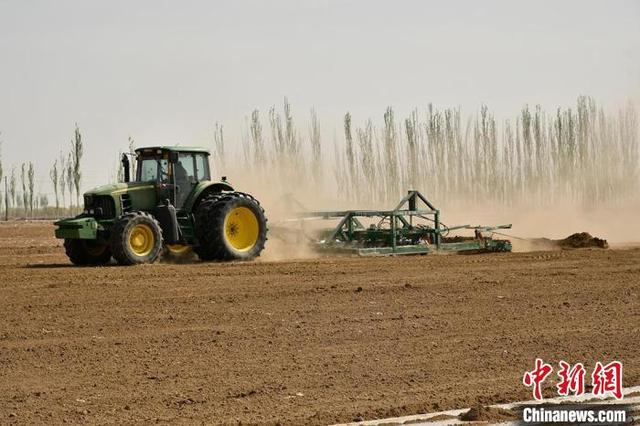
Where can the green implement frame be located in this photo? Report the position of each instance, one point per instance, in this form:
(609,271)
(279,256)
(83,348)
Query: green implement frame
(413,227)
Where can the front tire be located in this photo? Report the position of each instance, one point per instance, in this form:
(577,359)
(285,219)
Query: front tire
(230,226)
(87,252)
(136,238)
(177,253)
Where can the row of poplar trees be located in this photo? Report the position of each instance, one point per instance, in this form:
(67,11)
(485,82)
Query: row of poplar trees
(20,184)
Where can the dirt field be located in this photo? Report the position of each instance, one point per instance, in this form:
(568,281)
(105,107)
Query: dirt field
(302,342)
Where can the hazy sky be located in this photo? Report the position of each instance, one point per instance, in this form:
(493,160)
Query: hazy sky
(166,71)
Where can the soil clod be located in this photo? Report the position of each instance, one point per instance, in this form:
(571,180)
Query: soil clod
(582,240)
(482,413)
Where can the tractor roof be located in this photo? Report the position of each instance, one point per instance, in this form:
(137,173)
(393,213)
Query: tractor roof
(173,149)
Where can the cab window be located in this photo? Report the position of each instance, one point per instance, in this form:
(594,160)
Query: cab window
(152,169)
(202,167)
(184,168)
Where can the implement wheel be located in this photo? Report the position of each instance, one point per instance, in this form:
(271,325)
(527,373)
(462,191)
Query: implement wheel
(136,238)
(230,226)
(87,252)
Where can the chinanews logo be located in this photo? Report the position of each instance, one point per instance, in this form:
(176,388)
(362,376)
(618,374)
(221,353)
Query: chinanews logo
(606,380)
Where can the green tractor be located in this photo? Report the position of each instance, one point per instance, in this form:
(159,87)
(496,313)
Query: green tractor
(171,206)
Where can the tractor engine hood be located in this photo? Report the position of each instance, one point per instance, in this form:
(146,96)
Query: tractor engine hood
(124,197)
(119,188)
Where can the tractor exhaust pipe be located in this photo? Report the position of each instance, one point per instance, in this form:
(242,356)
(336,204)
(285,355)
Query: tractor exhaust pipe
(125,166)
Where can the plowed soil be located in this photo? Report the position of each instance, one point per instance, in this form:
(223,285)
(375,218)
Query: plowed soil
(313,341)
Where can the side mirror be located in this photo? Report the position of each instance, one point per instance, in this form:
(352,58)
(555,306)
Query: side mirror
(173,157)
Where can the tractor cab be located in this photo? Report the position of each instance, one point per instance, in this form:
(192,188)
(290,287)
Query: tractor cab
(175,171)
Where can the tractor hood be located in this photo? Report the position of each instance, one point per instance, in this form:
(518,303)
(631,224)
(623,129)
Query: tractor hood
(120,188)
(126,196)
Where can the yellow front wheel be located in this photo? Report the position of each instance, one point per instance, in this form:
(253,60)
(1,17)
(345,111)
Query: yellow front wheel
(136,238)
(177,252)
(141,239)
(87,252)
(178,249)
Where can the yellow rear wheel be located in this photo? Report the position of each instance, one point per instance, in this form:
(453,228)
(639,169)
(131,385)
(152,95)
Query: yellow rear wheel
(241,229)
(229,226)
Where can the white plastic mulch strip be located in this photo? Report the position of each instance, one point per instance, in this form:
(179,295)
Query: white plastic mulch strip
(419,419)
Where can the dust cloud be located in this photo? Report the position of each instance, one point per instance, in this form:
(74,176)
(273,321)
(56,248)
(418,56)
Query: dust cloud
(533,228)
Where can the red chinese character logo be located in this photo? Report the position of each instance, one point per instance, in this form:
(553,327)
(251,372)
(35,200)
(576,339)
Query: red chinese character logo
(536,376)
(571,379)
(607,379)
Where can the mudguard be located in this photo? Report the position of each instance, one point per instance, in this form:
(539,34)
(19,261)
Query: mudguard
(201,190)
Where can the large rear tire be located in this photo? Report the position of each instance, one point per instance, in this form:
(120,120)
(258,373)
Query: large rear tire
(230,226)
(87,252)
(136,238)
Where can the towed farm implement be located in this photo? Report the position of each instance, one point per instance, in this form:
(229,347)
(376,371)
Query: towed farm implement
(412,227)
